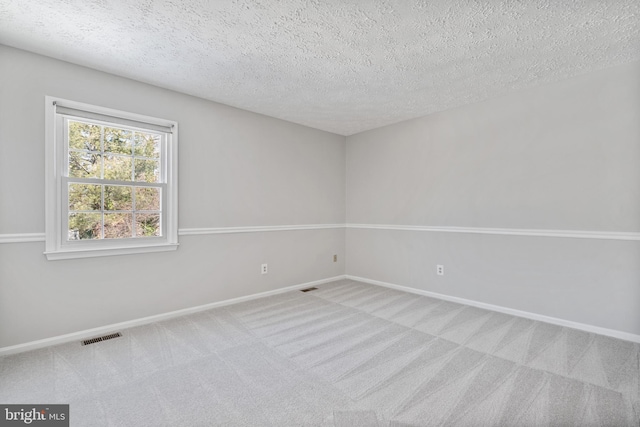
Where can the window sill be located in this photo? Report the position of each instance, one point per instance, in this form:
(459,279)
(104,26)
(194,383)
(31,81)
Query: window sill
(100,252)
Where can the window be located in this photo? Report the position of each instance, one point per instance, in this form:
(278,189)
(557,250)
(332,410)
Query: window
(111,182)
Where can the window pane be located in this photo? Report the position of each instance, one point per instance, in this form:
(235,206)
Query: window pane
(117,198)
(84,136)
(118,140)
(117,225)
(147,170)
(83,164)
(146,145)
(147,199)
(117,168)
(148,225)
(84,226)
(85,197)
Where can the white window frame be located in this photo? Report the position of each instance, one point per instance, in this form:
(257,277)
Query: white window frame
(57,245)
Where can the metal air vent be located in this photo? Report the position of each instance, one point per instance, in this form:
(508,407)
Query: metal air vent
(103,338)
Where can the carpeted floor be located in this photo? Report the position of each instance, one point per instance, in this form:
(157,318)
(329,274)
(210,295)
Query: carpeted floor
(347,354)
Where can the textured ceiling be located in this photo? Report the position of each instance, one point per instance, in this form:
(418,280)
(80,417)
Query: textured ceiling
(340,66)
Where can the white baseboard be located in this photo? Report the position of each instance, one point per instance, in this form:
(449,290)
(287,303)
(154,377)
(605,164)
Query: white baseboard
(89,333)
(533,316)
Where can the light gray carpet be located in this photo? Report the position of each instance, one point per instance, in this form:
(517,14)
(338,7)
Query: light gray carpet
(347,354)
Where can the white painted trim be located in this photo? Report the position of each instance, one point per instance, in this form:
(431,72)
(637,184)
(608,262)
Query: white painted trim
(21,238)
(40,237)
(608,235)
(527,315)
(100,252)
(255,229)
(56,245)
(89,333)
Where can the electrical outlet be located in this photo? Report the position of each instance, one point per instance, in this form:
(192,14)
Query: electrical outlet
(440,270)
(264,269)
(335,258)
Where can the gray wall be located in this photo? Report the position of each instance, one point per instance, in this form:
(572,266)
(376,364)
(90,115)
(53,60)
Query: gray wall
(561,157)
(236,169)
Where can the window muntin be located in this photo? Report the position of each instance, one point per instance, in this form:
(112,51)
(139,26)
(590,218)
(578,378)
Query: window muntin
(114,181)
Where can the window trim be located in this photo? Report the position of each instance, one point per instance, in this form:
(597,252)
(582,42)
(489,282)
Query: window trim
(56,248)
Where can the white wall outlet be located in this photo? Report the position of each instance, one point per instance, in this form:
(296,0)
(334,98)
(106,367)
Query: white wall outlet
(264,269)
(440,270)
